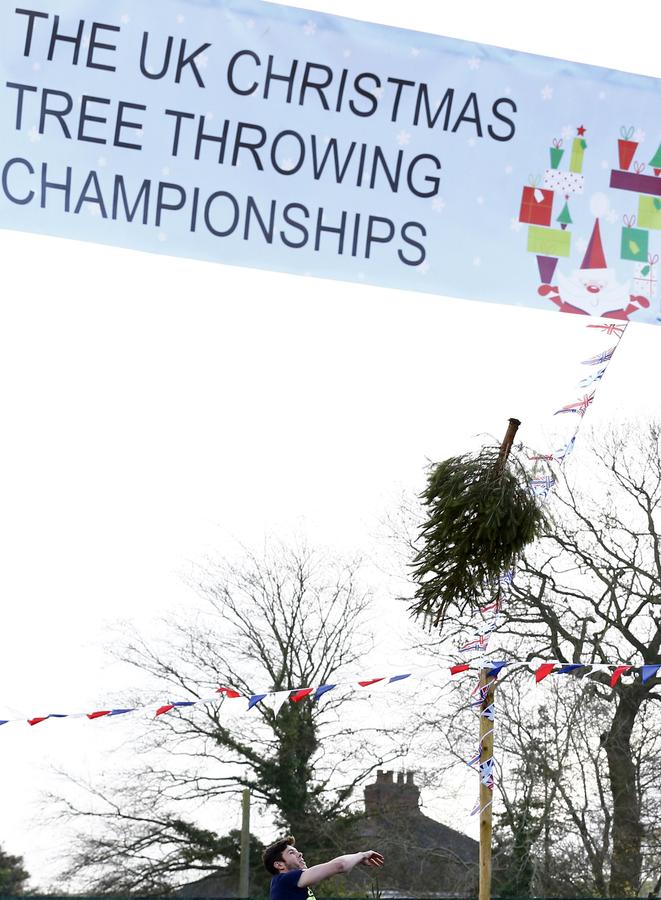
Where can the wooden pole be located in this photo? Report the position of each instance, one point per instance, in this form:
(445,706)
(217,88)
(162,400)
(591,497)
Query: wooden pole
(506,445)
(488,688)
(486,793)
(244,865)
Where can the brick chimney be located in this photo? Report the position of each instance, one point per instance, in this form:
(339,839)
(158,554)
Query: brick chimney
(387,794)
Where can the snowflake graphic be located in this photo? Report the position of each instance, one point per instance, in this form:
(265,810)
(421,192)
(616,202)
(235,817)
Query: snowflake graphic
(581,245)
(208,116)
(601,95)
(346,53)
(471,142)
(415,51)
(604,164)
(424,267)
(515,225)
(36,67)
(33,135)
(480,201)
(438,204)
(309,29)
(509,169)
(546,92)
(162,236)
(125,19)
(639,135)
(403,138)
(477,261)
(567,132)
(102,161)
(181,19)
(612,216)
(165,170)
(473,62)
(203,61)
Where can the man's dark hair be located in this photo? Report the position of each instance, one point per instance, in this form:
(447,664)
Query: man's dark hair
(274,853)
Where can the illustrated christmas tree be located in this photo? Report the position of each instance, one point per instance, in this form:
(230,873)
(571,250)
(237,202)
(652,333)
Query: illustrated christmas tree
(655,161)
(564,218)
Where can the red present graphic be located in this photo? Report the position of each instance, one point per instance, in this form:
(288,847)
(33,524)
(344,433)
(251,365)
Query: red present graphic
(626,147)
(536,206)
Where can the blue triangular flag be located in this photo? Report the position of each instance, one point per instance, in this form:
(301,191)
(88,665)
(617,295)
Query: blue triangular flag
(322,689)
(648,672)
(254,700)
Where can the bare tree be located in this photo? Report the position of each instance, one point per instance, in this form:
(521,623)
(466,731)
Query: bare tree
(590,592)
(289,618)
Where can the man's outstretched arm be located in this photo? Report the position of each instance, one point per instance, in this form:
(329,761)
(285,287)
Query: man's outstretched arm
(339,866)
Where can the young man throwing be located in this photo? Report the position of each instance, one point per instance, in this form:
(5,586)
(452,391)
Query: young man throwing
(292,879)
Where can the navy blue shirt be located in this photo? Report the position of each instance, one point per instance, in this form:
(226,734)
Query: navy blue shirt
(285,887)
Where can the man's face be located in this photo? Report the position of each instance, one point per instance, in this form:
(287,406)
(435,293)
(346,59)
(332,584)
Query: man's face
(291,859)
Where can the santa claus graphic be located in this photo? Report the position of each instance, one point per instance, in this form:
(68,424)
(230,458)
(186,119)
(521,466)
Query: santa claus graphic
(593,290)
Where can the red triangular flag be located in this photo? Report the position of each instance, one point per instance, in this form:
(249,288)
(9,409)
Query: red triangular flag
(300,695)
(98,714)
(229,692)
(618,673)
(454,670)
(371,681)
(544,670)
(164,709)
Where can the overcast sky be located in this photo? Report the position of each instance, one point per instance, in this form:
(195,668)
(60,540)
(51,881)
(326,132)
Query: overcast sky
(156,409)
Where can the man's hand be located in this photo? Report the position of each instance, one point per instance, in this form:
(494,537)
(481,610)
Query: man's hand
(372,858)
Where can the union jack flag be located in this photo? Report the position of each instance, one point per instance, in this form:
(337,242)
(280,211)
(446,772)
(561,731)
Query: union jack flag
(490,712)
(486,773)
(479,642)
(541,486)
(506,577)
(476,758)
(580,406)
(586,382)
(565,451)
(604,357)
(610,328)
(495,606)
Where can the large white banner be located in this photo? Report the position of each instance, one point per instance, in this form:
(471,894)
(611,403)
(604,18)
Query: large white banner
(259,135)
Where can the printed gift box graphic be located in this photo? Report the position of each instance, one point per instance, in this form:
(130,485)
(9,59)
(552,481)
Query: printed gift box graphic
(645,277)
(556,152)
(536,206)
(549,241)
(649,212)
(578,148)
(626,147)
(635,241)
(564,182)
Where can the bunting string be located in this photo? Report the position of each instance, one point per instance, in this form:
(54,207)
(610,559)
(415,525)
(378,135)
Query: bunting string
(541,484)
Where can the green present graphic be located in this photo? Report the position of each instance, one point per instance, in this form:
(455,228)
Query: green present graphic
(635,244)
(549,241)
(578,148)
(649,212)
